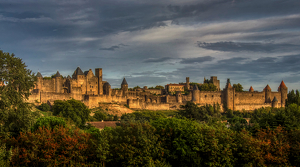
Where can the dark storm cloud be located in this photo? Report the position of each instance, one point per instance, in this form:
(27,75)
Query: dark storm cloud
(113,48)
(196,60)
(57,32)
(157,60)
(248,47)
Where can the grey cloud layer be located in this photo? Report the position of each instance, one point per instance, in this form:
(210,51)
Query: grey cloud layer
(68,33)
(249,47)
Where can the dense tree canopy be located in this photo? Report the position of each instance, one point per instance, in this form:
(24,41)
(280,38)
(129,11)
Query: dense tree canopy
(208,87)
(238,87)
(73,109)
(15,112)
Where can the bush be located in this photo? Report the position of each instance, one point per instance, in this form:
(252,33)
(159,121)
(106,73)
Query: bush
(133,145)
(60,147)
(5,156)
(99,116)
(73,109)
(44,107)
(49,123)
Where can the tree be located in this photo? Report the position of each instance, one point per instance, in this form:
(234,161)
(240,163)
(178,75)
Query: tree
(44,107)
(208,87)
(159,87)
(49,123)
(238,87)
(293,97)
(73,109)
(136,87)
(15,112)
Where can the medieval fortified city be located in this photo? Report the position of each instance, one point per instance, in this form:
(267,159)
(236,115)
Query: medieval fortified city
(91,89)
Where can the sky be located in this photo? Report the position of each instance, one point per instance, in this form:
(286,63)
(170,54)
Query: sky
(157,42)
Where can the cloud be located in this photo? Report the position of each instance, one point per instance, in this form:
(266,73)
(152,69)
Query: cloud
(247,46)
(157,60)
(196,60)
(113,48)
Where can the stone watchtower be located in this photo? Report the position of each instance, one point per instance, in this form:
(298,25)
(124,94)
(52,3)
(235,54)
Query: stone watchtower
(98,72)
(124,87)
(275,102)
(229,95)
(196,94)
(267,91)
(283,89)
(39,82)
(58,80)
(187,82)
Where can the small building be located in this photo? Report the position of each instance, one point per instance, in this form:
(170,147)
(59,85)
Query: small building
(172,88)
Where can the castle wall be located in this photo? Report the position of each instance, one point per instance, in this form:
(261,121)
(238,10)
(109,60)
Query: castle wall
(249,97)
(210,97)
(186,98)
(139,104)
(48,85)
(251,106)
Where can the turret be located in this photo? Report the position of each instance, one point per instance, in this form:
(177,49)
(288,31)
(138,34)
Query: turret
(124,87)
(196,94)
(98,72)
(57,82)
(39,82)
(283,89)
(229,95)
(187,82)
(107,89)
(275,102)
(77,73)
(251,89)
(178,97)
(267,91)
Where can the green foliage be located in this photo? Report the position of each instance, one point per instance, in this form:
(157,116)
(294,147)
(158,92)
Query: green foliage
(144,116)
(157,87)
(208,87)
(136,87)
(208,81)
(49,123)
(100,115)
(15,113)
(73,109)
(126,105)
(293,97)
(5,156)
(44,107)
(134,145)
(205,113)
(294,141)
(47,78)
(238,87)
(60,147)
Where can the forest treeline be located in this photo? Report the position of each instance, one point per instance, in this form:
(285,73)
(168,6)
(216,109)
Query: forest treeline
(193,136)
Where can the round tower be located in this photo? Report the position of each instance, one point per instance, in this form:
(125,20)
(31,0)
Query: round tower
(283,89)
(178,97)
(39,82)
(267,91)
(58,85)
(196,94)
(275,102)
(251,89)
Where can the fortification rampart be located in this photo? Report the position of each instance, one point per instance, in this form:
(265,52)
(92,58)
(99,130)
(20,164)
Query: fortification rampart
(92,90)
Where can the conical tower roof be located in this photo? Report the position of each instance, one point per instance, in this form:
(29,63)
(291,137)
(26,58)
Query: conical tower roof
(195,87)
(251,89)
(78,71)
(275,99)
(124,82)
(267,88)
(57,74)
(282,85)
(39,75)
(68,77)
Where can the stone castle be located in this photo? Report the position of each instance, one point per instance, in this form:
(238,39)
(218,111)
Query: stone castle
(92,90)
